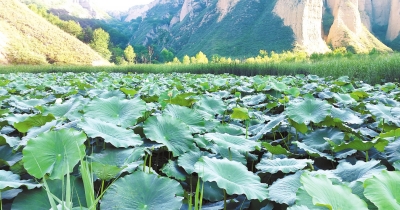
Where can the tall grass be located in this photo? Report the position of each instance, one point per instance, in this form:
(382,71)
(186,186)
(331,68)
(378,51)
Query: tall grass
(373,69)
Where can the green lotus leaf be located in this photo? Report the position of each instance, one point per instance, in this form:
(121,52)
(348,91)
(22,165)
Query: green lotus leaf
(104,171)
(12,141)
(113,110)
(391,134)
(129,92)
(172,170)
(301,207)
(357,188)
(212,192)
(293,91)
(382,112)
(184,99)
(171,132)
(34,121)
(317,140)
(37,199)
(232,176)
(396,165)
(68,109)
(117,136)
(358,172)
(240,113)
(305,201)
(344,98)
(194,120)
(252,100)
(285,165)
(187,160)
(301,127)
(230,154)
(8,180)
(143,191)
(309,110)
(211,106)
(35,131)
(59,152)
(10,194)
(117,156)
(383,189)
(230,129)
(278,86)
(313,152)
(276,150)
(325,194)
(346,116)
(284,190)
(263,129)
(234,142)
(360,145)
(393,151)
(8,156)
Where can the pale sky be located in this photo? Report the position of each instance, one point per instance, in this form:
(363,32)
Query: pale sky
(119,4)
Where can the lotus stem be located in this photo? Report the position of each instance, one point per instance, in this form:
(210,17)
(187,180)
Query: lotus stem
(225,199)
(366,156)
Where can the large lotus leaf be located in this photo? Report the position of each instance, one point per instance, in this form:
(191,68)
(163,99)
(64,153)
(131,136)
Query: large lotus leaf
(358,172)
(35,131)
(360,145)
(392,151)
(344,98)
(231,176)
(34,121)
(252,100)
(113,110)
(263,129)
(302,127)
(68,109)
(240,113)
(212,192)
(388,114)
(37,199)
(171,132)
(230,154)
(305,201)
(8,156)
(12,141)
(187,160)
(383,189)
(8,180)
(346,116)
(59,152)
(325,194)
(276,150)
(285,165)
(313,152)
(309,110)
(234,142)
(194,120)
(284,190)
(357,187)
(117,136)
(116,156)
(143,191)
(278,86)
(172,170)
(105,171)
(317,140)
(229,129)
(211,106)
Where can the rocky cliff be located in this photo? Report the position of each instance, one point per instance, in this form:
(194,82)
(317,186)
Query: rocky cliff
(394,21)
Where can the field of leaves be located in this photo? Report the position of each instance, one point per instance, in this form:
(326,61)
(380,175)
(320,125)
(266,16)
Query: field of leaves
(177,141)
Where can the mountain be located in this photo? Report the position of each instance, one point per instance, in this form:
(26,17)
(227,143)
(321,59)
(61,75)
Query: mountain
(75,8)
(240,28)
(27,38)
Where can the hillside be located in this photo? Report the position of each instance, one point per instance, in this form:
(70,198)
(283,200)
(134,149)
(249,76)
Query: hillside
(26,38)
(241,28)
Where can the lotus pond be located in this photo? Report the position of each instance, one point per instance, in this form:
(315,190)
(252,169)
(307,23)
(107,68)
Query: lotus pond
(184,141)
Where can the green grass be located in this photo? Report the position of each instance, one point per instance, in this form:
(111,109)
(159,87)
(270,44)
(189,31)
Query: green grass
(373,69)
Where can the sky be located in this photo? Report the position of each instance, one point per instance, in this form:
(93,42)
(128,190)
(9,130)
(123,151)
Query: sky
(119,4)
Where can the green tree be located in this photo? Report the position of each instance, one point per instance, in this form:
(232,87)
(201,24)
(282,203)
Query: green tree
(72,28)
(129,54)
(167,55)
(100,43)
(176,61)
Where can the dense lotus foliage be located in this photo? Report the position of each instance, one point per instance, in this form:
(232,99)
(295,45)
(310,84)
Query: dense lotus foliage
(151,141)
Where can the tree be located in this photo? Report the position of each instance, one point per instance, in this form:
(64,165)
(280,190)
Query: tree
(129,54)
(72,28)
(186,59)
(100,43)
(201,58)
(167,55)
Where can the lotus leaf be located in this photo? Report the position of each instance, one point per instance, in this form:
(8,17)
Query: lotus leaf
(309,110)
(59,152)
(8,180)
(117,136)
(143,191)
(231,176)
(383,189)
(171,132)
(284,165)
(284,190)
(234,142)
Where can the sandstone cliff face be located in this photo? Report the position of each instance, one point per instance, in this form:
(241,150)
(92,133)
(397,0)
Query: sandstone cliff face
(348,30)
(3,43)
(394,21)
(225,6)
(304,17)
